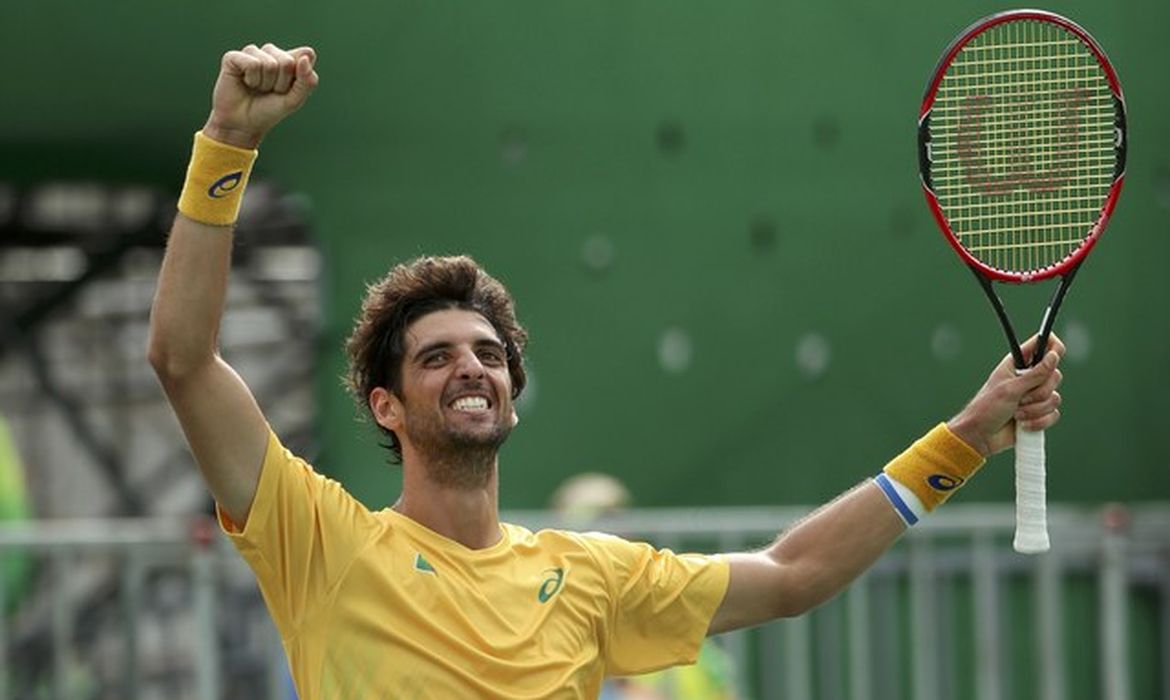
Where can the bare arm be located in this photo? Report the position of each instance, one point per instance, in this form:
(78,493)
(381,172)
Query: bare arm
(819,556)
(227,433)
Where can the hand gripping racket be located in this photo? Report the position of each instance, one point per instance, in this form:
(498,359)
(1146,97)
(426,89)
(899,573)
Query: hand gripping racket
(1021,148)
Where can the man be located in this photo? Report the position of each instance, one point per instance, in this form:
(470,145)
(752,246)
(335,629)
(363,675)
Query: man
(435,597)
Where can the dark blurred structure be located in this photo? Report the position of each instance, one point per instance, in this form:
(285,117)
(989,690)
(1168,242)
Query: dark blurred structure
(77,268)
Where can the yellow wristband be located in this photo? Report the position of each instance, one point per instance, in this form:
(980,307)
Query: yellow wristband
(215,182)
(935,466)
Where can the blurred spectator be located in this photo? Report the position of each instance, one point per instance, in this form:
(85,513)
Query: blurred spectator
(16,568)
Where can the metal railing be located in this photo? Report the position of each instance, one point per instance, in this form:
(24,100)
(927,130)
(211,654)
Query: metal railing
(87,565)
(951,612)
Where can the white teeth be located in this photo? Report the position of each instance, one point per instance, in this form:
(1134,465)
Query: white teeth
(470,403)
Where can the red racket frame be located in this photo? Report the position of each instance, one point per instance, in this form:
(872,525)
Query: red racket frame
(1068,265)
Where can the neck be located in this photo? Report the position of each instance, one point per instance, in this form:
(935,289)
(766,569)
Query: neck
(467,513)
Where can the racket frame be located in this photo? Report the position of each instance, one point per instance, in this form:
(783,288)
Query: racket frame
(1068,264)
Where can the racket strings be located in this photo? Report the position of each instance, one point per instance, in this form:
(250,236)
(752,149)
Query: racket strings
(1023,149)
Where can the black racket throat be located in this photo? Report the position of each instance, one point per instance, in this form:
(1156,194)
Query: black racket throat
(1045,325)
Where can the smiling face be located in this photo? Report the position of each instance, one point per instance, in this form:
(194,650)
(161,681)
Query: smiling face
(455,406)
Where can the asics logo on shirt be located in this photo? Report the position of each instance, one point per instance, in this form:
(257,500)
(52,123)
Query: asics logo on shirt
(551,584)
(224,186)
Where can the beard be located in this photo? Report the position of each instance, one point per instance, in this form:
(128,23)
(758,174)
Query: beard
(456,457)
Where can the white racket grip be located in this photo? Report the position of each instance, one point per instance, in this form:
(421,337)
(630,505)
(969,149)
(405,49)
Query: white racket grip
(1031,499)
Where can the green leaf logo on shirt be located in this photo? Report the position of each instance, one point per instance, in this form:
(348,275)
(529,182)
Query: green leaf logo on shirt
(552,584)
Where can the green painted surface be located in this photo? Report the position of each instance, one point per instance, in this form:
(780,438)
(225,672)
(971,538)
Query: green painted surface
(751,166)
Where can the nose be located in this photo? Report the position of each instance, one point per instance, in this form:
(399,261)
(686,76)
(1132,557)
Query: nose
(469,366)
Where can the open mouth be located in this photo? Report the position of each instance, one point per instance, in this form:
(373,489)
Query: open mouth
(470,404)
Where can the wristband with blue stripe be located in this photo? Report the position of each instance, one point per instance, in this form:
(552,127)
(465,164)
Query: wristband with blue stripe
(904,510)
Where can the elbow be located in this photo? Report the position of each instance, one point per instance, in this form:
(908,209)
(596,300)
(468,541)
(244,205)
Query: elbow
(170,362)
(162,361)
(804,589)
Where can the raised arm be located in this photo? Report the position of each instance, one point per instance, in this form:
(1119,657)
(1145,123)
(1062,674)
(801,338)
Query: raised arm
(819,556)
(256,89)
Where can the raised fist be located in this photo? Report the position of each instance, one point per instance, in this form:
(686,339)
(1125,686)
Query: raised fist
(256,89)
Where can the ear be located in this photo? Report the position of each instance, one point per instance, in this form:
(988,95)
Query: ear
(386,408)
(515,417)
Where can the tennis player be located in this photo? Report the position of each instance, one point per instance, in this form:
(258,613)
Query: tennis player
(434,597)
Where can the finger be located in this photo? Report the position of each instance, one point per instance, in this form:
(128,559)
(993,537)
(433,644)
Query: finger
(1056,345)
(1053,344)
(243,66)
(1037,425)
(1045,390)
(286,67)
(1035,376)
(1013,390)
(1039,409)
(305,51)
(305,83)
(1012,384)
(1006,368)
(269,70)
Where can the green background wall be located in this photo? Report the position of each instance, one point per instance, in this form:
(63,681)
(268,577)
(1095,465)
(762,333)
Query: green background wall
(751,165)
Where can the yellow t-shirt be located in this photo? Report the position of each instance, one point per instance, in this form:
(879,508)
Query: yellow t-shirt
(374,605)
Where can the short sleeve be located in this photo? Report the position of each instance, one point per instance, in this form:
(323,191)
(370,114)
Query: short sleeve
(661,603)
(303,532)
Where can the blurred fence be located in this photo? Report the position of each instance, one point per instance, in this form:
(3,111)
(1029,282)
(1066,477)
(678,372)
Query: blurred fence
(144,609)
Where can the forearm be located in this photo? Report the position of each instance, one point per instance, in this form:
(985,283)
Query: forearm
(824,552)
(835,544)
(193,283)
(189,301)
(810,562)
(816,558)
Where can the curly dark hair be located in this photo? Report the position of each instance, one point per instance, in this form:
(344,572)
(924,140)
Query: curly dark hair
(408,292)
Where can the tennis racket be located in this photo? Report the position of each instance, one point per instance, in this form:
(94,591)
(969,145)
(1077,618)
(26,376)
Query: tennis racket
(1021,144)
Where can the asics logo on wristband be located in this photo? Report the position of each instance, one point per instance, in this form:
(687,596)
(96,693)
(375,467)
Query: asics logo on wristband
(944,482)
(225,185)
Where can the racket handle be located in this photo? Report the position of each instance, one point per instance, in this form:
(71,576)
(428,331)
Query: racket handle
(1031,500)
